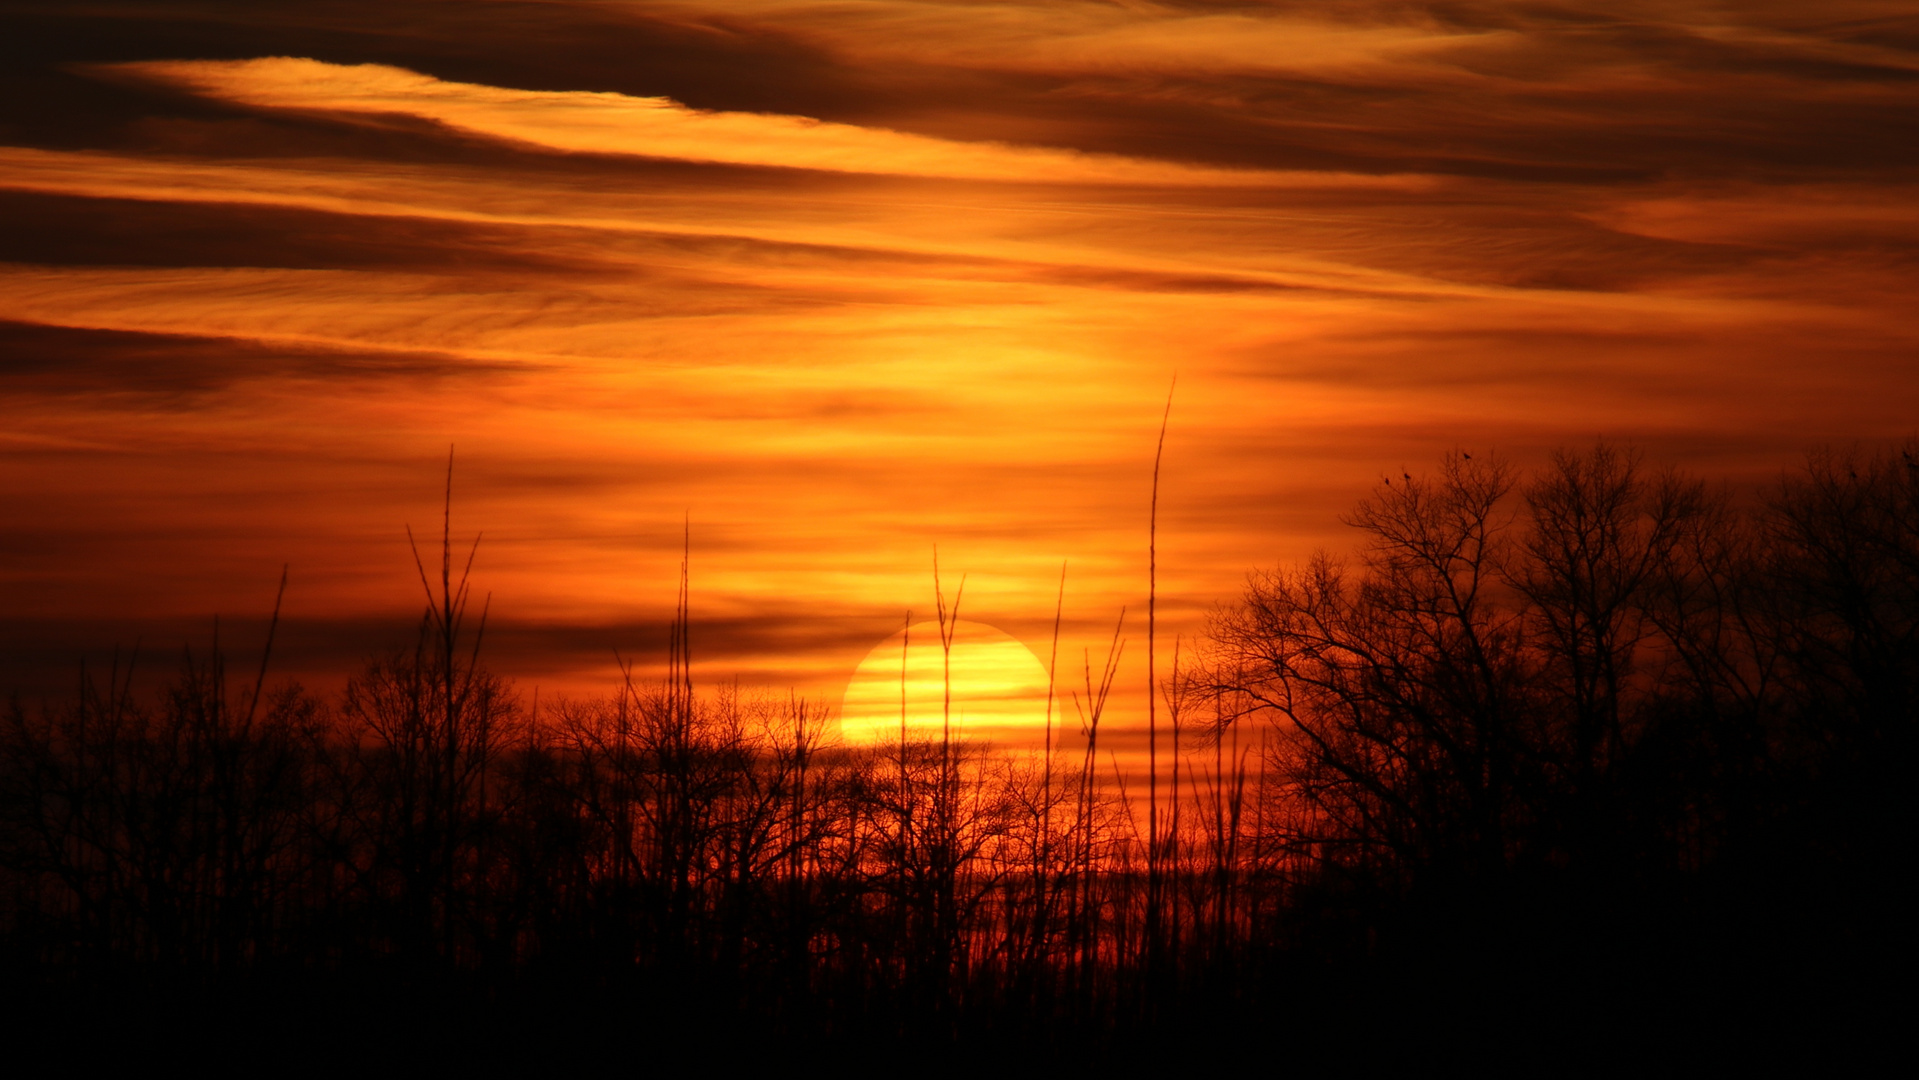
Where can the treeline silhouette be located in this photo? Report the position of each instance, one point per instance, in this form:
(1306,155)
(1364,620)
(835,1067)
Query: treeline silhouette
(1586,752)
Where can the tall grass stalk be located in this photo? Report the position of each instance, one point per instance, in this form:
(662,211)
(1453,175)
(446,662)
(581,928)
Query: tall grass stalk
(1153,882)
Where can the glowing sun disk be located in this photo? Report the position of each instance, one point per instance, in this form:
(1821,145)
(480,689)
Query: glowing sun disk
(998,688)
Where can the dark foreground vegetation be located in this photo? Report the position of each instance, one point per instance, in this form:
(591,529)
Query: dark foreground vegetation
(1587,758)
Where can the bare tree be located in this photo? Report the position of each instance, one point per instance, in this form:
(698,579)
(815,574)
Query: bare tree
(1399,691)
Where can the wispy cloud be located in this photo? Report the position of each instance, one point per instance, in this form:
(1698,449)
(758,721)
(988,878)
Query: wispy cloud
(610,123)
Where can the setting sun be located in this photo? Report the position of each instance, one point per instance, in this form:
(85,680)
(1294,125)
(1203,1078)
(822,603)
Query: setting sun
(987,686)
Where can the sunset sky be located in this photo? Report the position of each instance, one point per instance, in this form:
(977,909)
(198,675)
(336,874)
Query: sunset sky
(826,285)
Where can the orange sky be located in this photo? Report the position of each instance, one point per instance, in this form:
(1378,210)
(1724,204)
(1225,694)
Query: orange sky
(840,282)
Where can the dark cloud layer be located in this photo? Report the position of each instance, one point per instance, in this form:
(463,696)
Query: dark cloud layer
(134,368)
(42,658)
(528,45)
(1535,92)
(67,230)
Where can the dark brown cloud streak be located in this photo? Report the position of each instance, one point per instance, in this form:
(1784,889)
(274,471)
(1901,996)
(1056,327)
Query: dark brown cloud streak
(249,302)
